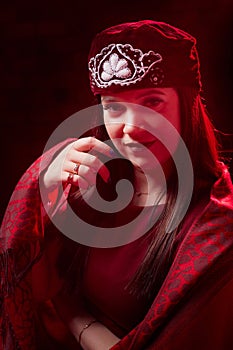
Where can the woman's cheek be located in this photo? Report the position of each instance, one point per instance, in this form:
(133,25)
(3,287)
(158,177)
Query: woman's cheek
(115,134)
(113,130)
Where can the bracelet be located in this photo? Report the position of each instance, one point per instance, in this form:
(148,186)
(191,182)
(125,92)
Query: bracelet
(87,325)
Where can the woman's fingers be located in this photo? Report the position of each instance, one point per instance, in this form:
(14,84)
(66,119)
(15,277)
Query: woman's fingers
(82,156)
(83,176)
(78,163)
(90,161)
(86,144)
(76,180)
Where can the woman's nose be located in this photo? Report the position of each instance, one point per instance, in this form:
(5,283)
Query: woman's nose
(130,128)
(133,121)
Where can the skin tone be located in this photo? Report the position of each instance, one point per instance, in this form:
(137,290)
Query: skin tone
(78,152)
(74,314)
(128,116)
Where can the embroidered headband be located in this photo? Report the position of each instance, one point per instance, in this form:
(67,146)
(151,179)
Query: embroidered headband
(143,54)
(121,64)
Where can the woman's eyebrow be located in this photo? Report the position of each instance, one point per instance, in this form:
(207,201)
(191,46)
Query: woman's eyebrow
(140,95)
(151,92)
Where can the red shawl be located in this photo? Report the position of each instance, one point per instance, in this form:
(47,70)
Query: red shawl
(193,309)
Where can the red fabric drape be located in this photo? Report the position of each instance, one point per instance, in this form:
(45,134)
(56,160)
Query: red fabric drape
(193,309)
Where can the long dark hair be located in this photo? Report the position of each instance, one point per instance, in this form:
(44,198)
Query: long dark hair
(198,134)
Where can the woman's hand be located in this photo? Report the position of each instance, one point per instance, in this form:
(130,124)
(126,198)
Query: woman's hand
(98,337)
(73,313)
(78,164)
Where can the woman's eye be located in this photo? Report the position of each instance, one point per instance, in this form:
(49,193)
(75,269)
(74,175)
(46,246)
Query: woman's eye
(152,102)
(113,107)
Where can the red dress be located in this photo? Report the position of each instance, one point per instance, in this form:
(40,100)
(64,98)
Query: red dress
(106,275)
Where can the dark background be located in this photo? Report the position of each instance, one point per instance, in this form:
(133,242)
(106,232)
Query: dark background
(44,77)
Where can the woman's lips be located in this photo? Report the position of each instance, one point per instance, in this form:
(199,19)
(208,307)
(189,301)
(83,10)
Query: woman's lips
(138,146)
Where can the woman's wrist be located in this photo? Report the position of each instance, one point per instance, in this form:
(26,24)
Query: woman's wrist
(89,332)
(85,327)
(97,337)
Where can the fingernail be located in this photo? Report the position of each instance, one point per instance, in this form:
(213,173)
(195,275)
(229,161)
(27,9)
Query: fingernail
(111,152)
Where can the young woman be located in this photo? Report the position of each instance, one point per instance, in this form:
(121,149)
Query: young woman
(156,271)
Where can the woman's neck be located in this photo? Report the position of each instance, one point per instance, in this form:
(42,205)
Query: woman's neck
(150,187)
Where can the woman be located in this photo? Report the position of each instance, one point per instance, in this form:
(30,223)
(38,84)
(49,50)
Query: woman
(167,282)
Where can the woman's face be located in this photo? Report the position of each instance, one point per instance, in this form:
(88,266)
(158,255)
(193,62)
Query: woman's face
(137,122)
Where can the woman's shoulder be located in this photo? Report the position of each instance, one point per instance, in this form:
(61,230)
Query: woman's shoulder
(222,191)
(214,223)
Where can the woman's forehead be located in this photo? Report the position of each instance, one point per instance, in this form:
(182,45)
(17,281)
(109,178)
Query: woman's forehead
(136,93)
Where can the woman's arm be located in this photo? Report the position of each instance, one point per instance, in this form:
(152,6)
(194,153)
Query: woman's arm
(98,337)
(91,335)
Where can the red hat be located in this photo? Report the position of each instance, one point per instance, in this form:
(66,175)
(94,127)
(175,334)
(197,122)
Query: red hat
(143,54)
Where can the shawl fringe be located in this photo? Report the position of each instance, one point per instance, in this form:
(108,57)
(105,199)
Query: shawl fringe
(8,274)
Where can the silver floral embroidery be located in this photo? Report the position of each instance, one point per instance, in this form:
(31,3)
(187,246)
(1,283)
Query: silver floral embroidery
(121,64)
(115,66)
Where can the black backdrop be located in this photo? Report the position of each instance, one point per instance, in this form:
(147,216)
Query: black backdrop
(44,78)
